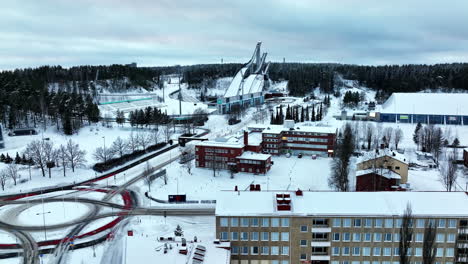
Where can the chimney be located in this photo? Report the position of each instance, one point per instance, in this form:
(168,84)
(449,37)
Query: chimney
(246,138)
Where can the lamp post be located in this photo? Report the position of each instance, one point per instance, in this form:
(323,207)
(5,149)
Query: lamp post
(43,219)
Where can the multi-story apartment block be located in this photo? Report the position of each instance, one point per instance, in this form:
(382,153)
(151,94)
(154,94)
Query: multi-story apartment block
(339,227)
(297,139)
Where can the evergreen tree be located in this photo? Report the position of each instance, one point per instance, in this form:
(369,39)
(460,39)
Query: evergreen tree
(416,134)
(302,114)
(67,124)
(456,142)
(313,113)
(18,159)
(272,119)
(288,113)
(120,117)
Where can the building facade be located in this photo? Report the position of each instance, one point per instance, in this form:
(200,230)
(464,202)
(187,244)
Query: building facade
(383,160)
(297,139)
(425,108)
(339,234)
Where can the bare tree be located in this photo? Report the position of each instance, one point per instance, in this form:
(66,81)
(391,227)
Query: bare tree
(339,179)
(12,172)
(167,131)
(398,137)
(75,156)
(187,157)
(387,135)
(147,172)
(3,178)
(35,151)
(120,146)
(63,158)
(50,155)
(132,142)
(429,245)
(370,131)
(406,235)
(143,140)
(103,155)
(448,172)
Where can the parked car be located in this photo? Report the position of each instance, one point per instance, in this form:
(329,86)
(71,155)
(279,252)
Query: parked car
(299,155)
(233,121)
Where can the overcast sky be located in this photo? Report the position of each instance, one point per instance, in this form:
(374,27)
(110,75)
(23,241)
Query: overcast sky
(169,32)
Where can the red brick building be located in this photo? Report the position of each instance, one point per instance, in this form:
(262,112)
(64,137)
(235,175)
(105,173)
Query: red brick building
(377,180)
(236,156)
(295,139)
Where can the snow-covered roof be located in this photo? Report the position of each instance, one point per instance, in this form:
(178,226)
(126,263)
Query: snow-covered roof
(239,86)
(254,156)
(220,144)
(383,152)
(427,103)
(276,129)
(431,204)
(389,174)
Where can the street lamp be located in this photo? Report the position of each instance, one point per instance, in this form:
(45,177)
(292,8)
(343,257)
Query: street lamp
(43,219)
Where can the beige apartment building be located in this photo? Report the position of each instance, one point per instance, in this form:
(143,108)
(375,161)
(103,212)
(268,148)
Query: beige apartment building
(338,227)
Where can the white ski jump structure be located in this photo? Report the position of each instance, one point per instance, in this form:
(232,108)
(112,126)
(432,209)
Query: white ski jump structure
(247,87)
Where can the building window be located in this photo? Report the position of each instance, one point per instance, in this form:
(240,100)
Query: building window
(234,236)
(449,252)
(224,236)
(274,250)
(388,237)
(303,243)
(234,250)
(245,250)
(274,236)
(254,222)
(265,236)
(397,167)
(234,222)
(398,223)
(336,236)
(336,222)
(303,256)
(367,222)
(396,237)
(396,251)
(357,237)
(244,222)
(440,238)
(378,222)
(320,222)
(420,223)
(440,252)
(254,236)
(366,251)
(419,237)
(377,237)
(367,237)
(418,252)
(265,250)
(275,222)
(345,251)
(224,222)
(244,236)
(450,238)
(389,223)
(303,228)
(376,251)
(285,250)
(346,237)
(284,236)
(335,251)
(356,251)
(452,223)
(346,222)
(265,222)
(387,251)
(284,222)
(254,250)
(357,222)
(441,223)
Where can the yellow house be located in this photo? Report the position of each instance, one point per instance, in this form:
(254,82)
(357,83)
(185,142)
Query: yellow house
(385,159)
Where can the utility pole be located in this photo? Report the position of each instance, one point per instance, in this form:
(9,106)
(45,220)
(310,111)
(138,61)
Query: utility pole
(105,154)
(180,97)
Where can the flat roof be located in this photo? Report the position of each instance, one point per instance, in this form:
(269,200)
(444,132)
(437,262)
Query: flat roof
(423,204)
(297,128)
(427,104)
(254,156)
(220,144)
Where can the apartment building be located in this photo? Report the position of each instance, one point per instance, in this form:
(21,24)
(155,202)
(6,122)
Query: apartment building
(338,227)
(297,139)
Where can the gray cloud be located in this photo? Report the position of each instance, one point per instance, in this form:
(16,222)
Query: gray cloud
(167,32)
